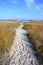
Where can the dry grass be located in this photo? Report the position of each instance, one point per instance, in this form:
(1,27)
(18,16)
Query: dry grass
(35,33)
(7,34)
(15,24)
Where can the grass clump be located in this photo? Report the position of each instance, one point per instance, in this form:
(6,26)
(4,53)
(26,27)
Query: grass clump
(35,33)
(6,37)
(7,34)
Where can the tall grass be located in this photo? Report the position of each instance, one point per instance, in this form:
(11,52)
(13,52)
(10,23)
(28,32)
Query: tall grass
(35,33)
(7,34)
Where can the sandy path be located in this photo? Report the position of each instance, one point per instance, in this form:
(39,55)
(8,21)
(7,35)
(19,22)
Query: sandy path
(21,51)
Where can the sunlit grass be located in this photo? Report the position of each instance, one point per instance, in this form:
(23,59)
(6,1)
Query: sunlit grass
(7,35)
(35,33)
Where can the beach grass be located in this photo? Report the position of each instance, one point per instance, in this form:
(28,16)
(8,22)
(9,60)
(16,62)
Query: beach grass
(35,34)
(7,35)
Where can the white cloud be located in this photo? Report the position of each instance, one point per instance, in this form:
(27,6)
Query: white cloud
(31,3)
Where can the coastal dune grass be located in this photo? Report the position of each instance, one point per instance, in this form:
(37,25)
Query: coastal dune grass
(35,33)
(7,34)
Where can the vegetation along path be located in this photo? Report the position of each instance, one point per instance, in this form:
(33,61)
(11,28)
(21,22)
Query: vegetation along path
(21,51)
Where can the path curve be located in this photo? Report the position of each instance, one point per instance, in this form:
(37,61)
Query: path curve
(21,51)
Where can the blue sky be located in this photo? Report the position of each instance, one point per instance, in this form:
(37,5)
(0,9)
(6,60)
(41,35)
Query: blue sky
(21,9)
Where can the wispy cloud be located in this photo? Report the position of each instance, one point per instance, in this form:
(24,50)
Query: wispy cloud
(31,3)
(14,1)
(38,7)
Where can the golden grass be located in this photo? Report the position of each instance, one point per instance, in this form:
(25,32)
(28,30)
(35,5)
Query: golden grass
(7,34)
(12,23)
(35,33)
